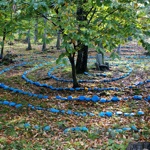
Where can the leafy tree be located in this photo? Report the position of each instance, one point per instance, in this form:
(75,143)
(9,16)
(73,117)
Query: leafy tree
(7,21)
(88,24)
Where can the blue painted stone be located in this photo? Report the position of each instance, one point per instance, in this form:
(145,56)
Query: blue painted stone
(45,96)
(2,85)
(64,98)
(39,108)
(126,129)
(29,105)
(72,89)
(75,129)
(46,128)
(118,130)
(62,111)
(103,100)
(53,110)
(137,97)
(132,114)
(32,107)
(102,114)
(36,127)
(109,114)
(83,114)
(77,89)
(66,130)
(27,125)
(119,113)
(58,97)
(77,113)
(140,112)
(95,98)
(69,97)
(87,99)
(69,112)
(134,128)
(115,99)
(18,105)
(91,114)
(6,87)
(86,73)
(148,98)
(40,96)
(30,94)
(11,88)
(6,102)
(35,95)
(82,98)
(85,129)
(12,104)
(126,98)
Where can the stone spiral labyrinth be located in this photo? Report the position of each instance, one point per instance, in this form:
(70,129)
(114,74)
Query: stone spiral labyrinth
(45,92)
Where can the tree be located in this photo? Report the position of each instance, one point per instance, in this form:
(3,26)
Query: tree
(87,23)
(7,22)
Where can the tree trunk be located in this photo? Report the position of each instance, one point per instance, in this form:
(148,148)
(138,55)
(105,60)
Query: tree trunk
(58,40)
(82,57)
(81,65)
(44,36)
(29,42)
(3,42)
(118,49)
(36,32)
(75,82)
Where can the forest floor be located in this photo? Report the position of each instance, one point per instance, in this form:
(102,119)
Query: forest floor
(30,128)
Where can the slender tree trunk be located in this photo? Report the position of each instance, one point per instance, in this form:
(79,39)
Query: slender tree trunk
(29,42)
(118,49)
(36,32)
(3,42)
(75,82)
(58,40)
(44,36)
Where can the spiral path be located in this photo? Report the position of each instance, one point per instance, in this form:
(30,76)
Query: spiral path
(61,96)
